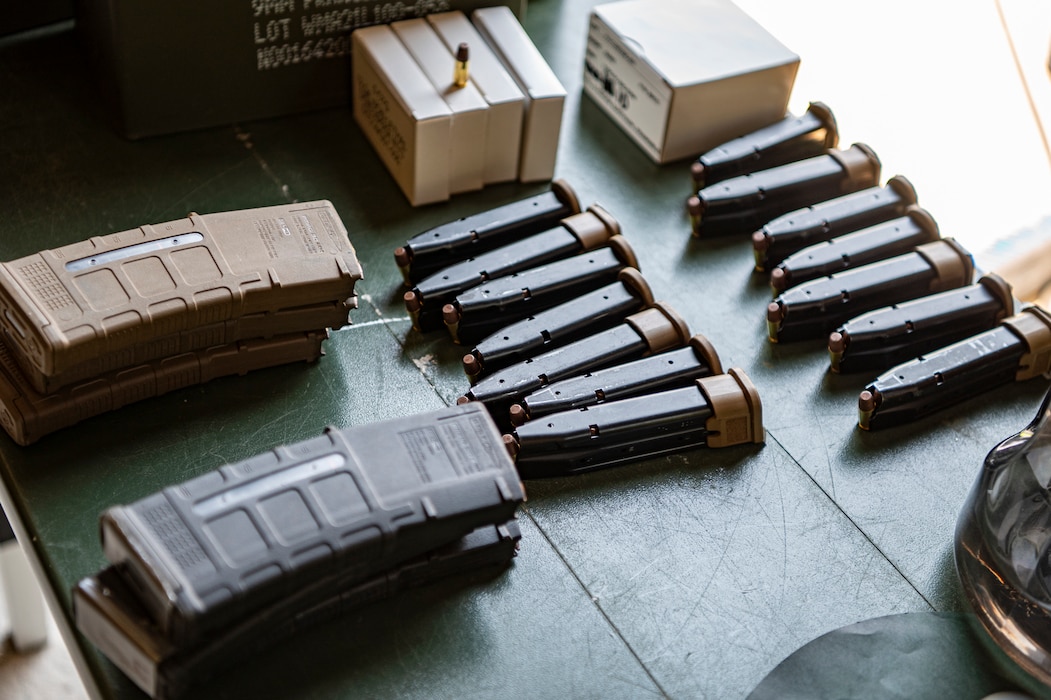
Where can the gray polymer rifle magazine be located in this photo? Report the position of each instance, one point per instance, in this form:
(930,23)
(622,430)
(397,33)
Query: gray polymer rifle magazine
(109,614)
(204,554)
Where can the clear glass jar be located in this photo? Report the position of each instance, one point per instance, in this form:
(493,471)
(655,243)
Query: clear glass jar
(1003,546)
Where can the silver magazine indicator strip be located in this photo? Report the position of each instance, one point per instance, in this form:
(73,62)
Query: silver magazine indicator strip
(273,482)
(133,251)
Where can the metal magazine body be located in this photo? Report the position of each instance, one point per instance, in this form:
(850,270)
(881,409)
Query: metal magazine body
(717,411)
(744,203)
(943,378)
(879,242)
(612,433)
(581,232)
(1016,350)
(814,309)
(652,330)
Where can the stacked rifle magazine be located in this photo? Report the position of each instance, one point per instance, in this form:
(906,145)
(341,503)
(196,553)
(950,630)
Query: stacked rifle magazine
(866,269)
(205,574)
(570,353)
(93,326)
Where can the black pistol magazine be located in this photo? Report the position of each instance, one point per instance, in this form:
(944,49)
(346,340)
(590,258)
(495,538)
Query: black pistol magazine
(441,246)
(790,139)
(588,313)
(666,370)
(877,340)
(784,235)
(716,411)
(814,309)
(879,242)
(742,204)
(579,233)
(1016,350)
(496,303)
(652,330)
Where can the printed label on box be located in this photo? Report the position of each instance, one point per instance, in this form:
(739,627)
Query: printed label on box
(637,97)
(386,127)
(290,32)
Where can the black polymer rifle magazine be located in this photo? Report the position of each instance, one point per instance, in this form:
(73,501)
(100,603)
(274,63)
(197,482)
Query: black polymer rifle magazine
(206,553)
(110,615)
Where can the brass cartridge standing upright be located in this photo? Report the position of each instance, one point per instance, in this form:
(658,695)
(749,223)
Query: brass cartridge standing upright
(461,70)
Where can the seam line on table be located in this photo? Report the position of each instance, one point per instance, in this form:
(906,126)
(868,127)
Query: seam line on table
(595,604)
(245,139)
(524,510)
(769,437)
(401,344)
(584,588)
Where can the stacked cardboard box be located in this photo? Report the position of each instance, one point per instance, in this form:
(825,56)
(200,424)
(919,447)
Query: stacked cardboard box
(437,137)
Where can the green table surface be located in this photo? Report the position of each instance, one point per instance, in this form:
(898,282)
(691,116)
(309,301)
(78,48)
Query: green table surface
(686,576)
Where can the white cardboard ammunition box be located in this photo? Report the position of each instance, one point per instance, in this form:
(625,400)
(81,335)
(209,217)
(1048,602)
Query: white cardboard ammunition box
(683,76)
(506,101)
(470,111)
(401,114)
(545,95)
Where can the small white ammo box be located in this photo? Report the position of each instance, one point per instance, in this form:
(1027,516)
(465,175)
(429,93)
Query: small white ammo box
(683,76)
(440,135)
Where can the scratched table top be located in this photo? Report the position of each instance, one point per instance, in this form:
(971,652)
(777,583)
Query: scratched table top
(685,576)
